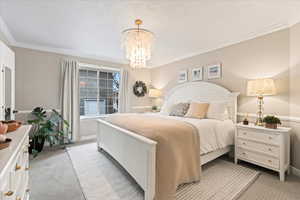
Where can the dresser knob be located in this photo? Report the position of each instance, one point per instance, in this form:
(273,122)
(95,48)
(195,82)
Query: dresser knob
(269,161)
(245,133)
(244,153)
(270,137)
(244,143)
(18,167)
(9,193)
(270,149)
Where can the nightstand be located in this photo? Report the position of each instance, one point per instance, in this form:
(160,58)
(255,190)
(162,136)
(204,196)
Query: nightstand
(269,148)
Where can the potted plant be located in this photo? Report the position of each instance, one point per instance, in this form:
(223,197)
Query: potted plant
(154,108)
(271,121)
(46,129)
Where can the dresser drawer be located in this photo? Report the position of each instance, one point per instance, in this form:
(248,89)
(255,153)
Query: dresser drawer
(258,158)
(259,136)
(7,191)
(265,148)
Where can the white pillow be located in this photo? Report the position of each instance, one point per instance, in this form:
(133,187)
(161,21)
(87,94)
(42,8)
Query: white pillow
(165,110)
(218,110)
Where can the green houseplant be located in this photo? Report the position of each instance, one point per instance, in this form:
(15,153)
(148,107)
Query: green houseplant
(46,129)
(154,108)
(271,121)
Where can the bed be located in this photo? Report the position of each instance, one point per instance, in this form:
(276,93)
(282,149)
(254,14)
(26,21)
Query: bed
(137,154)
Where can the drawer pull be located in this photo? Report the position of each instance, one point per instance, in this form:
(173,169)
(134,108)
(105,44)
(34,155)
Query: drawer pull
(245,133)
(27,168)
(270,137)
(270,161)
(9,193)
(244,143)
(27,190)
(244,153)
(18,198)
(270,149)
(18,167)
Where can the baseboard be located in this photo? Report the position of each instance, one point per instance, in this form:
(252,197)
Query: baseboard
(295,171)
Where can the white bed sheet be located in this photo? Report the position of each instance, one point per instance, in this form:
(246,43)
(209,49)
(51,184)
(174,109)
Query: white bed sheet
(214,134)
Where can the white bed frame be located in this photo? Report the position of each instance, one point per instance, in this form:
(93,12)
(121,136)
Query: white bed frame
(137,153)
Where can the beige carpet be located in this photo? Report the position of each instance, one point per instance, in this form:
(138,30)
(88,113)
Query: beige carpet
(102,178)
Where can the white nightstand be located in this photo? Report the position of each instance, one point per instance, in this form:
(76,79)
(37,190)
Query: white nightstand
(269,148)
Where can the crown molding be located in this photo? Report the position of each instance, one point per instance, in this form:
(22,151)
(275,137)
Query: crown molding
(68,52)
(267,30)
(11,40)
(6,32)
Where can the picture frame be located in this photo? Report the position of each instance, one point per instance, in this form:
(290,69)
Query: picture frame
(182,76)
(214,71)
(197,74)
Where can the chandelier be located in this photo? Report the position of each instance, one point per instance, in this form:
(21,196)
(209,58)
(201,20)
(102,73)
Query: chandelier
(137,43)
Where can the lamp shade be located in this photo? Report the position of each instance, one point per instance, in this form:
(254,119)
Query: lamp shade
(154,93)
(261,87)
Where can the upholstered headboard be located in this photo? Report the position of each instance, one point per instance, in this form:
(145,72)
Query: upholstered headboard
(202,92)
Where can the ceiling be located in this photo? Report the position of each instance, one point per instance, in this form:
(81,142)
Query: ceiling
(92,28)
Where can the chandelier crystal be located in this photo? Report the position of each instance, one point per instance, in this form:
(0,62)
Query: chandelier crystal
(138,44)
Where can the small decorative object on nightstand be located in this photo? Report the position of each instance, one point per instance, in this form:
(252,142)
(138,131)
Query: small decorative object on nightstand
(246,121)
(269,148)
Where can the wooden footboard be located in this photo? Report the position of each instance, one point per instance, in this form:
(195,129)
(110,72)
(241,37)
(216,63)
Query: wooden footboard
(135,153)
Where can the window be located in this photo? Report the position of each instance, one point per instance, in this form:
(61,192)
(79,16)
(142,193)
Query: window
(99,91)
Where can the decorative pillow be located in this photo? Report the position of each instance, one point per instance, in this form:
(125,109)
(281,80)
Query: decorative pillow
(179,109)
(197,110)
(217,110)
(165,109)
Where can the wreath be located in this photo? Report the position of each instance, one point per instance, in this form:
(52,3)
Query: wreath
(139,89)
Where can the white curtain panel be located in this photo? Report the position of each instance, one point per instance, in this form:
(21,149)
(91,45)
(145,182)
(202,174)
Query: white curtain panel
(123,92)
(70,97)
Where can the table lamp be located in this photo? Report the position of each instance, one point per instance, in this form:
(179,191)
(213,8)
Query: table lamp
(260,88)
(154,93)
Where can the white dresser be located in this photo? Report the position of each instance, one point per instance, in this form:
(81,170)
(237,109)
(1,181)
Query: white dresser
(269,148)
(14,165)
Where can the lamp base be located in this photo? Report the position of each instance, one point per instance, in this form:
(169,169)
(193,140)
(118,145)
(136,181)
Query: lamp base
(259,122)
(259,119)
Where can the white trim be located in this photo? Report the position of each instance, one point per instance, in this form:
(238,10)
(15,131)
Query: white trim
(98,67)
(140,107)
(281,117)
(29,111)
(6,32)
(270,29)
(295,171)
(69,52)
(267,30)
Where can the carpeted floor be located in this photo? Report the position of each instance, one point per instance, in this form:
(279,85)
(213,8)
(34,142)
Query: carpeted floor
(102,178)
(52,177)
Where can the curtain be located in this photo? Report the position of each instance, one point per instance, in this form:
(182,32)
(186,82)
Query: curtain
(70,98)
(123,92)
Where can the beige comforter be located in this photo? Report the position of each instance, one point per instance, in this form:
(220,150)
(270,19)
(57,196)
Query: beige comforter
(177,153)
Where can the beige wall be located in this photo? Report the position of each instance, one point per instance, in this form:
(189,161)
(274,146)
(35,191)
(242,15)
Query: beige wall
(266,56)
(38,79)
(275,55)
(295,91)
